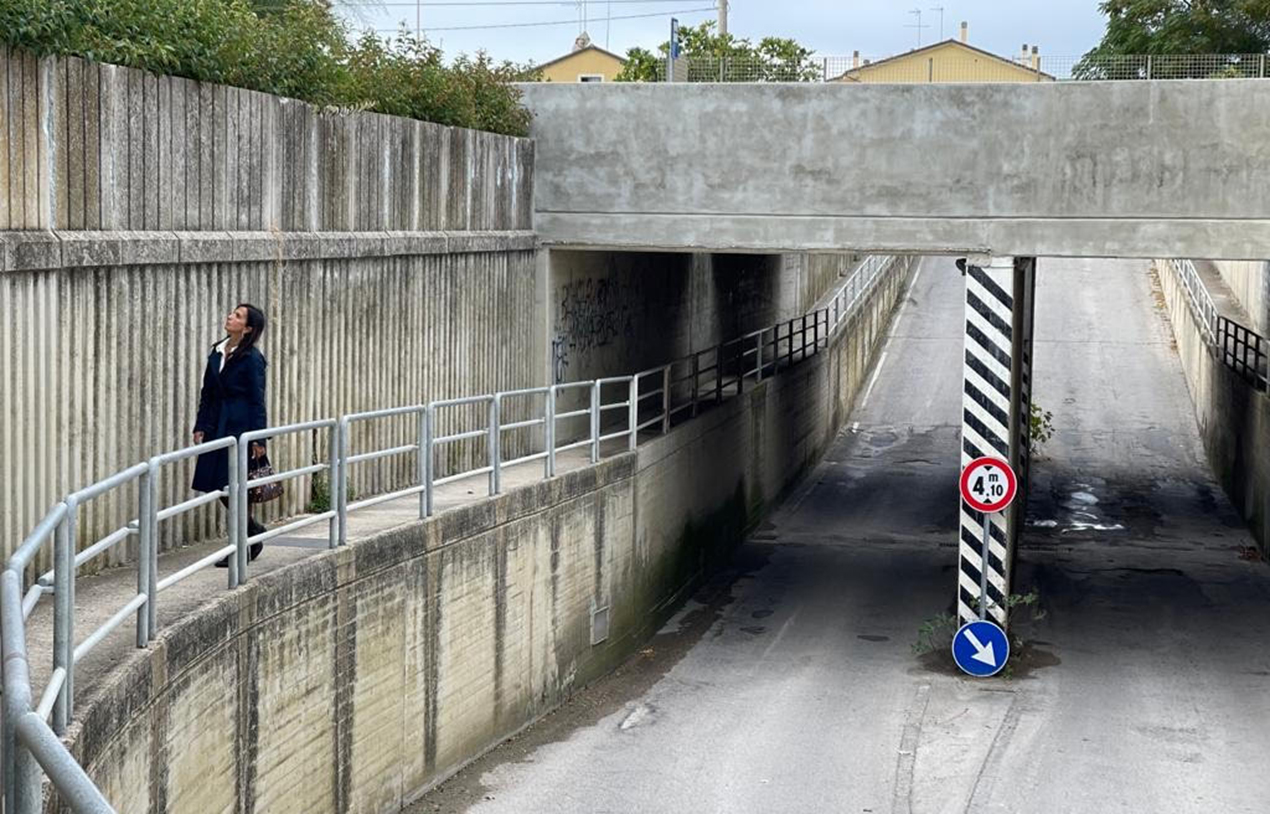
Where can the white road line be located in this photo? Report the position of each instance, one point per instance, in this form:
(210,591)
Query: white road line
(912,285)
(886,346)
(877,371)
(780,634)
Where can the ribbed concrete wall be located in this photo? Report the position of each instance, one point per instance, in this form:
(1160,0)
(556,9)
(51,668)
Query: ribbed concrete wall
(90,146)
(358,678)
(103,366)
(394,259)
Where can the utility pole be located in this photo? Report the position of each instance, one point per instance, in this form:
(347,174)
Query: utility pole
(418,17)
(940,9)
(723,18)
(918,25)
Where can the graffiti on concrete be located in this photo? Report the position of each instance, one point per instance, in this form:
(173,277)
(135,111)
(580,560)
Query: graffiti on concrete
(591,313)
(559,358)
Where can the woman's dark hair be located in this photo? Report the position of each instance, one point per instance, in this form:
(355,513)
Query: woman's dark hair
(256,321)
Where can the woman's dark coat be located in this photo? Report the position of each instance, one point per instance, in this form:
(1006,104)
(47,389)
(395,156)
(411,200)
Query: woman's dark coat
(232,402)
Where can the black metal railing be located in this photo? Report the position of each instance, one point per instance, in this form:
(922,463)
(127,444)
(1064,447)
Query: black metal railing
(1243,351)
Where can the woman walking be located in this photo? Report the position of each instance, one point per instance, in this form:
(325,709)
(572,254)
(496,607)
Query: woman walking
(232,402)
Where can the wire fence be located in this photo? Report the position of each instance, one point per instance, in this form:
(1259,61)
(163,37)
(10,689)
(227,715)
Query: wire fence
(961,68)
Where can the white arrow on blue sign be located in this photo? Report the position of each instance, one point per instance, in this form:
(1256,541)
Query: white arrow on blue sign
(980,648)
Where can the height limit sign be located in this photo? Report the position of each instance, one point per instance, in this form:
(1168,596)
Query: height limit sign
(988,485)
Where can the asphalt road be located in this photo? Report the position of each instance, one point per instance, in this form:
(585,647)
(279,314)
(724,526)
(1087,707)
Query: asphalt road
(790,684)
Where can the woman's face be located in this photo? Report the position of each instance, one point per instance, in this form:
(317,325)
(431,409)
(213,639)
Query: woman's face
(236,322)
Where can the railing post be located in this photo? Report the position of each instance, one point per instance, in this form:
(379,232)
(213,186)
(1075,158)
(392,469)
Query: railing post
(632,410)
(231,507)
(789,346)
(337,533)
(696,373)
(718,374)
(495,446)
(665,399)
(28,781)
(244,467)
(421,461)
(740,367)
(1148,66)
(429,462)
(758,355)
(595,421)
(144,505)
(64,615)
(815,332)
(549,431)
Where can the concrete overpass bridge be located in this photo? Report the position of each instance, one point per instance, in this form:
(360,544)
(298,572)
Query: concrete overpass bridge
(1084,169)
(502,550)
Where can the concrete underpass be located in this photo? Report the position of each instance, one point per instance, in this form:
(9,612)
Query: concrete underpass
(788,684)
(691,495)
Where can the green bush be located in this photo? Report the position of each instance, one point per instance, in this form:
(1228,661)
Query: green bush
(295,48)
(407,76)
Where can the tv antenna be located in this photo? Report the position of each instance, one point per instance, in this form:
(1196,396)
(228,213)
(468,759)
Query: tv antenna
(940,9)
(918,25)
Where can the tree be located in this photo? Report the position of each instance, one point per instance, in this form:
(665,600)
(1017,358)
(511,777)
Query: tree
(712,57)
(1185,34)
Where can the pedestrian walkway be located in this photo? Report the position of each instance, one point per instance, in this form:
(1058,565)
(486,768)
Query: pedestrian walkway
(100,596)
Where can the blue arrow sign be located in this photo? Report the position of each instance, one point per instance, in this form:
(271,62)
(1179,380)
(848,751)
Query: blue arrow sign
(980,648)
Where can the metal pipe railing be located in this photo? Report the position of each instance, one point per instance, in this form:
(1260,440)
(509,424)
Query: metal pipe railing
(30,743)
(1241,349)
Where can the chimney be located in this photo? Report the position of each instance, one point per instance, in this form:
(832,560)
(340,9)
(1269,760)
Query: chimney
(1024,57)
(1036,57)
(965,31)
(855,59)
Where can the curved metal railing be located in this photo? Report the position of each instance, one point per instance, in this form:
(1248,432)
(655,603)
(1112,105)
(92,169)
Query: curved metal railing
(31,733)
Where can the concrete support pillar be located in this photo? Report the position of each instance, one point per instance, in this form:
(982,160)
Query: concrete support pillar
(996,404)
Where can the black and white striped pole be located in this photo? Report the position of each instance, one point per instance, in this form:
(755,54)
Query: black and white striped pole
(996,397)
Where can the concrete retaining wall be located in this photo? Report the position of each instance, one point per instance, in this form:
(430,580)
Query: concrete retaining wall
(1250,282)
(1234,419)
(91,146)
(104,362)
(613,313)
(394,259)
(355,680)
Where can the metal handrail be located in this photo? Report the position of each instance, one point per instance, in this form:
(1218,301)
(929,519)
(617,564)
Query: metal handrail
(29,740)
(1238,347)
(1197,297)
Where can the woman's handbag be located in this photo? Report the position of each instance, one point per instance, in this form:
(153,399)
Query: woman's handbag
(261,468)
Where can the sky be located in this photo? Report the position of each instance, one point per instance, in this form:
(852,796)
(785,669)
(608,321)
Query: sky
(876,28)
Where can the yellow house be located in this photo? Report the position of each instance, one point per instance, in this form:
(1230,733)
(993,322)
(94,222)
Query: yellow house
(586,63)
(949,61)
